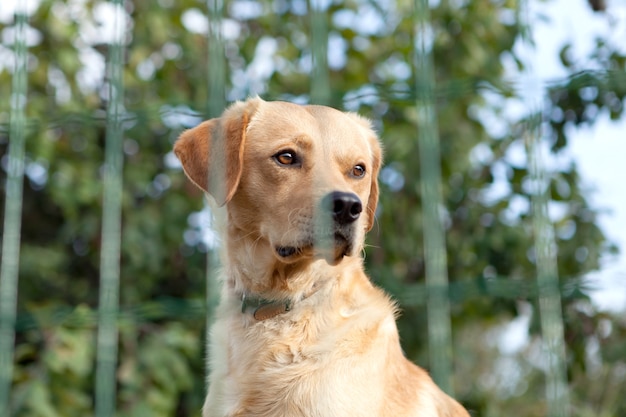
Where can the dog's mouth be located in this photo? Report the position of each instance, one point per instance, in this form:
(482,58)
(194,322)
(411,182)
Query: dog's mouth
(332,249)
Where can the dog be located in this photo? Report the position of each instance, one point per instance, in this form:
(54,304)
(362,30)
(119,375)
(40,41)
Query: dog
(300,330)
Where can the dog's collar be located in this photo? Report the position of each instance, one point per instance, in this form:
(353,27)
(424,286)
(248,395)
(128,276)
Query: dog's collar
(263,309)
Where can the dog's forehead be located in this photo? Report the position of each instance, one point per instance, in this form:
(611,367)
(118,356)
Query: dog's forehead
(277,118)
(282,120)
(333,121)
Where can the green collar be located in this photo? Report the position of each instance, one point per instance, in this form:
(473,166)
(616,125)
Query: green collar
(263,309)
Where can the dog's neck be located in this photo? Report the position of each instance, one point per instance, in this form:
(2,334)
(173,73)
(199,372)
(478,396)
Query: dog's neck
(255,273)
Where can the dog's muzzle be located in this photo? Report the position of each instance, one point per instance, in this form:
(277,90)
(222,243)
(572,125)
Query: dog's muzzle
(334,227)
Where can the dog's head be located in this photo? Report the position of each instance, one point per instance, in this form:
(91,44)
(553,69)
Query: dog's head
(300,179)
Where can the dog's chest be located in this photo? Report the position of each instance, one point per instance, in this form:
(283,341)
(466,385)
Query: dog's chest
(289,371)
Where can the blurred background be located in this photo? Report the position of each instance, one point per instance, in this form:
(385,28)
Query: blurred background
(505,71)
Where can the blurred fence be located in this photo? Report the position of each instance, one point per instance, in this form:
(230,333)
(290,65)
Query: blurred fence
(436,293)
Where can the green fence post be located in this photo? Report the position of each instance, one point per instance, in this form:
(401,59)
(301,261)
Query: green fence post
(216,104)
(549,294)
(217,59)
(548,288)
(105,403)
(438,305)
(320,83)
(13,213)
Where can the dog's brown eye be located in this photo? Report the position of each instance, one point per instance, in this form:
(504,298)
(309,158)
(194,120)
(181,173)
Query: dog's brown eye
(286,158)
(358,171)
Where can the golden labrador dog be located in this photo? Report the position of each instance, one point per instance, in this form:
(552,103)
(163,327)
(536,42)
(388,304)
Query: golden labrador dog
(300,330)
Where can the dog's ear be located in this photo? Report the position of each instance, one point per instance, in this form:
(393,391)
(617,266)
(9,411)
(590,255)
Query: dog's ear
(212,152)
(377,160)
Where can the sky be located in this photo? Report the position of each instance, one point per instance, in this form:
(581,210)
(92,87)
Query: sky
(599,150)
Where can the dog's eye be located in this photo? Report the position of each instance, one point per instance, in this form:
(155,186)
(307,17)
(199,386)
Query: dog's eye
(358,171)
(287,158)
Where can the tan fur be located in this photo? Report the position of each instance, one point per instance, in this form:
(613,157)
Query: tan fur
(337,351)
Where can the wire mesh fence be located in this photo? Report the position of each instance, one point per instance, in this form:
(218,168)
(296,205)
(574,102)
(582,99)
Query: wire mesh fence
(410,90)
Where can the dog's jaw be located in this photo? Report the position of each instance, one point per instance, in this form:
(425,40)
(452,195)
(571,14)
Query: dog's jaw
(259,267)
(332,249)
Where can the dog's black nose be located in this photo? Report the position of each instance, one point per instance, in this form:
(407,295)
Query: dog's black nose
(345,207)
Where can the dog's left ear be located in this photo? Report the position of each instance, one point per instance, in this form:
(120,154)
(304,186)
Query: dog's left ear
(212,152)
(377,160)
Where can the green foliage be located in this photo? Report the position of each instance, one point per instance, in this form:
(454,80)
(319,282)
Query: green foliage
(486,198)
(159,369)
